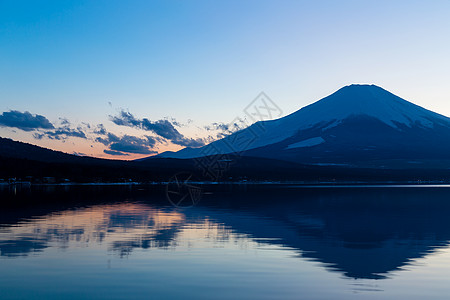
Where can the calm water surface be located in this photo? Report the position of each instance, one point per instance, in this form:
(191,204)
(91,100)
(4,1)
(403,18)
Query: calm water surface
(238,242)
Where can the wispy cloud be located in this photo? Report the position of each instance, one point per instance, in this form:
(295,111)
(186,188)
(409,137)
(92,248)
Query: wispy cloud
(108,139)
(162,128)
(62,132)
(118,153)
(221,130)
(24,120)
(100,129)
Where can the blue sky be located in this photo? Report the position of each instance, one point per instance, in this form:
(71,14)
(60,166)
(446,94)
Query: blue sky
(87,61)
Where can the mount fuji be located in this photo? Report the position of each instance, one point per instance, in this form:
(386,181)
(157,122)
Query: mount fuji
(358,125)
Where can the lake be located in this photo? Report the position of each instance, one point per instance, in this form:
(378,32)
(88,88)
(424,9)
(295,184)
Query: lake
(224,242)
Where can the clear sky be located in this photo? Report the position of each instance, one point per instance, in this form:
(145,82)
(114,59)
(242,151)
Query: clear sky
(155,73)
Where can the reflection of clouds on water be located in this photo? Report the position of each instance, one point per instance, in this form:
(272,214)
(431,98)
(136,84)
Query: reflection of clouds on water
(102,224)
(121,227)
(359,234)
(21,246)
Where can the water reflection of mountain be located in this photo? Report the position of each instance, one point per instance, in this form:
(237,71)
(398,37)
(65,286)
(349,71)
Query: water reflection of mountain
(361,233)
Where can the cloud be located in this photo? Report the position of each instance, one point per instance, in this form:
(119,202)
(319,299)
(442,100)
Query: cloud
(112,152)
(67,132)
(125,118)
(217,126)
(221,130)
(64,121)
(228,128)
(127,144)
(100,129)
(162,128)
(131,147)
(109,139)
(24,121)
(178,124)
(61,133)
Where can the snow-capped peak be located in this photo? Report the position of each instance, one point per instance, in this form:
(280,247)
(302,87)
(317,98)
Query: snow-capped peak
(368,100)
(350,101)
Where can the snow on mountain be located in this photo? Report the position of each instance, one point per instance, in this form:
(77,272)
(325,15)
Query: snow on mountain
(349,102)
(369,100)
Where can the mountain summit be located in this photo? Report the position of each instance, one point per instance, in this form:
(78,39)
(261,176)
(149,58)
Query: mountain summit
(366,100)
(356,125)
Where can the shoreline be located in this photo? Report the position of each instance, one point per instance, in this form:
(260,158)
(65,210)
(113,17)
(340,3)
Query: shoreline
(291,184)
